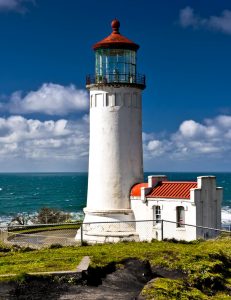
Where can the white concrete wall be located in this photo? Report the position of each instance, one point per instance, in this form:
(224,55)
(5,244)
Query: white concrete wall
(208,200)
(169,213)
(149,231)
(142,211)
(115,155)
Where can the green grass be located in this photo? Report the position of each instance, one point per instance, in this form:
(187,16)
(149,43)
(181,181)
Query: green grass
(36,229)
(167,289)
(206,265)
(61,259)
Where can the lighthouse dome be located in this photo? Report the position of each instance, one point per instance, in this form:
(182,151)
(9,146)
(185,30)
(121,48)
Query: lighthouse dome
(115,40)
(115,61)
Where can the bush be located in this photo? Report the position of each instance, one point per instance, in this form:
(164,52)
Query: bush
(55,246)
(21,219)
(48,215)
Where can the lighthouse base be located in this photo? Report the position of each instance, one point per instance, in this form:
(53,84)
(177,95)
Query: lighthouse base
(108,226)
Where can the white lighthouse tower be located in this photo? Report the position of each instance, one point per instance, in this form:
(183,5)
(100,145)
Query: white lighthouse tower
(115,155)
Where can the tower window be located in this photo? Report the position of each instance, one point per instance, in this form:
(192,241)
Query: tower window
(118,100)
(156,214)
(134,100)
(138,101)
(107,100)
(91,103)
(127,99)
(99,100)
(180,216)
(112,99)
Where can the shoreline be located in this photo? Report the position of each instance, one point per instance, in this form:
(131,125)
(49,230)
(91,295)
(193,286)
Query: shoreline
(75,216)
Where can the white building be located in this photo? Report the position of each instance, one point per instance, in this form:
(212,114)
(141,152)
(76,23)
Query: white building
(116,155)
(179,203)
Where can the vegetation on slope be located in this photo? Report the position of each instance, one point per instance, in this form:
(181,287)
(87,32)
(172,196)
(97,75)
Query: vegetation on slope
(204,268)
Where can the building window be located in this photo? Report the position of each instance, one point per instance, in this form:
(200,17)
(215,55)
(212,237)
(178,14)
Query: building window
(180,216)
(156,214)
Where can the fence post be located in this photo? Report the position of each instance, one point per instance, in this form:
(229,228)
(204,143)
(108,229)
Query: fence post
(162,230)
(81,235)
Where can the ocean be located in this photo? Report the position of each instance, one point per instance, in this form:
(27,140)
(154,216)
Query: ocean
(28,192)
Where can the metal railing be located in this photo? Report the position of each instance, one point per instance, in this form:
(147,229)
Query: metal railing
(111,78)
(43,235)
(226,226)
(146,230)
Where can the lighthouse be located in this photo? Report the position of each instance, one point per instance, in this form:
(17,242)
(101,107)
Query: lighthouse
(115,149)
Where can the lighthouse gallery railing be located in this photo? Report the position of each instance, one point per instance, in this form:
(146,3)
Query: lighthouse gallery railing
(138,79)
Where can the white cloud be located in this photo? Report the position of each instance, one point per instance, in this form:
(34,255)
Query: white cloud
(210,139)
(222,23)
(46,142)
(14,5)
(155,148)
(187,17)
(190,129)
(62,145)
(50,99)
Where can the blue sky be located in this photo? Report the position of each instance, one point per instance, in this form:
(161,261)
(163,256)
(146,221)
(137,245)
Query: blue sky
(46,52)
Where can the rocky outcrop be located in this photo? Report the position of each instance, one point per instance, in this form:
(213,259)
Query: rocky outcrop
(111,282)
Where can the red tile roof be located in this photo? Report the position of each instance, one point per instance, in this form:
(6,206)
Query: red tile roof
(116,40)
(136,189)
(172,189)
(167,189)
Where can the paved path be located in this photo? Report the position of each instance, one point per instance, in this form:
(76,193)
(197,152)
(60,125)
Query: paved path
(64,237)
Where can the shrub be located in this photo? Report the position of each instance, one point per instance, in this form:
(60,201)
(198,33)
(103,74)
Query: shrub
(55,246)
(48,215)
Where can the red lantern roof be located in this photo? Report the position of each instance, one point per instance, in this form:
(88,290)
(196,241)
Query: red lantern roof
(115,40)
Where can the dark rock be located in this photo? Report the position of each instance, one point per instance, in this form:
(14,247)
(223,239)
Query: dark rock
(124,283)
(159,271)
(109,283)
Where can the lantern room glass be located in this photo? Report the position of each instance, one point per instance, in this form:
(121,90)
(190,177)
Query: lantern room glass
(115,65)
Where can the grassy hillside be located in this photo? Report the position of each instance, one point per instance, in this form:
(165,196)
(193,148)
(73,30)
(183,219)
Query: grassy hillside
(202,269)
